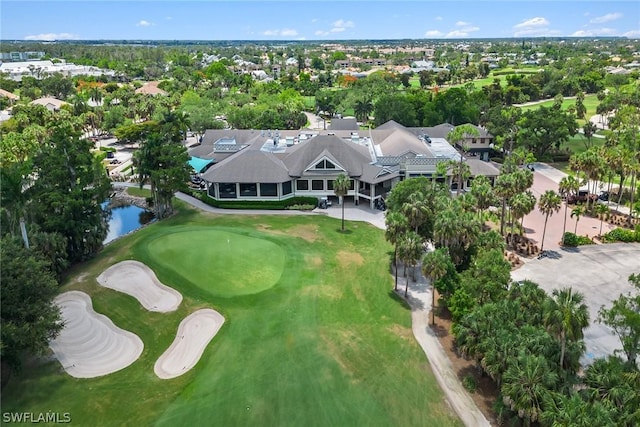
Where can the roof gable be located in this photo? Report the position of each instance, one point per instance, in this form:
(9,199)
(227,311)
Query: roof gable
(351,157)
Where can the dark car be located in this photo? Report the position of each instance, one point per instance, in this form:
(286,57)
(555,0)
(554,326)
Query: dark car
(581,197)
(604,196)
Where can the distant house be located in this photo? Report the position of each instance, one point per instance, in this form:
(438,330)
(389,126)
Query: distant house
(9,95)
(151,88)
(52,104)
(480,146)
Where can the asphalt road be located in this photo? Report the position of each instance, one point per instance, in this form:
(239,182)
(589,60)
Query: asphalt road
(600,273)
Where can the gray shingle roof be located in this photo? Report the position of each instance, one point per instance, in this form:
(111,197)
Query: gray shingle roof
(351,156)
(248,166)
(344,124)
(480,167)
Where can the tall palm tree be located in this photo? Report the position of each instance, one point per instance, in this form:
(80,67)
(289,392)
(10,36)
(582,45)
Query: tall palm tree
(483,193)
(521,205)
(410,251)
(434,266)
(568,185)
(548,204)
(396,224)
(416,209)
(504,189)
(577,212)
(457,137)
(341,187)
(565,316)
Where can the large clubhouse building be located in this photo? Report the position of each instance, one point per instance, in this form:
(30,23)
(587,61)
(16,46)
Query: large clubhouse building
(276,165)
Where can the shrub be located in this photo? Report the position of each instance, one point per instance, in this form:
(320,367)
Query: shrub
(572,240)
(108,149)
(469,382)
(622,235)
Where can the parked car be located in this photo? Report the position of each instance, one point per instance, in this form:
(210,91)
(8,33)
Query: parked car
(604,196)
(581,197)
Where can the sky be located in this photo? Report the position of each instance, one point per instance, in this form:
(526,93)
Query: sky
(315,20)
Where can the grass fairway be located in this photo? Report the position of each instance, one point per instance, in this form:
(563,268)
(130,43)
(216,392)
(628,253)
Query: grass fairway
(316,339)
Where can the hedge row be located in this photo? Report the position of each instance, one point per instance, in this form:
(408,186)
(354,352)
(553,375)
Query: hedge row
(294,202)
(622,235)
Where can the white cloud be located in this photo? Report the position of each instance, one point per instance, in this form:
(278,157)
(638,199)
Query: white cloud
(462,33)
(464,29)
(606,18)
(433,33)
(285,32)
(595,32)
(168,18)
(144,23)
(536,22)
(633,34)
(341,23)
(314,20)
(534,27)
(51,36)
(438,18)
(338,26)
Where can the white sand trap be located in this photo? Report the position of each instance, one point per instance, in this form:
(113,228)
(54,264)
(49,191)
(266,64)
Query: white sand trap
(194,334)
(90,345)
(136,279)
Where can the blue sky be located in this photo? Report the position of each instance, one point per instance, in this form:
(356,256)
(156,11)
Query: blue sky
(314,20)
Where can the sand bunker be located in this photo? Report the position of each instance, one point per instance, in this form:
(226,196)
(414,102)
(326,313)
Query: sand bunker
(194,334)
(90,345)
(136,279)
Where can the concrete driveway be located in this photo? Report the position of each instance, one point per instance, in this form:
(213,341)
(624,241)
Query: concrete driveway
(600,273)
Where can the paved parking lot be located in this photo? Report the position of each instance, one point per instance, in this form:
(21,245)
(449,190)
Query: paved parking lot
(599,272)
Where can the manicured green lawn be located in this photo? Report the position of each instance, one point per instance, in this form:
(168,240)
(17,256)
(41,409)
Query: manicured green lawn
(313,337)
(139,192)
(590,102)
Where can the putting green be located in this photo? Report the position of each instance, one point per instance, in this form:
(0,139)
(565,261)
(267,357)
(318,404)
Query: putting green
(223,263)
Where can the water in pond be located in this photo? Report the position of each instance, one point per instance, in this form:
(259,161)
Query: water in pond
(125,219)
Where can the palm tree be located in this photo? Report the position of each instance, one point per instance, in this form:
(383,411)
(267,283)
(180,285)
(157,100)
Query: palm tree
(457,137)
(434,266)
(548,204)
(483,193)
(362,109)
(526,383)
(568,185)
(504,189)
(410,251)
(565,316)
(577,212)
(521,205)
(415,209)
(396,224)
(341,187)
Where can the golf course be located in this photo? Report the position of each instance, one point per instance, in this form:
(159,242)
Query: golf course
(313,334)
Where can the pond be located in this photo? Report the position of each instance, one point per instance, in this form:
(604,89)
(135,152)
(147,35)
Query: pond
(125,219)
